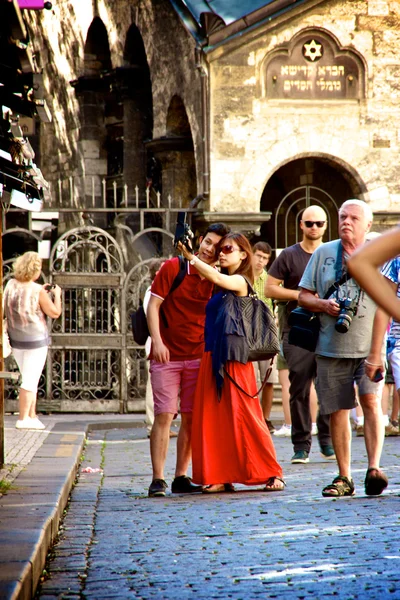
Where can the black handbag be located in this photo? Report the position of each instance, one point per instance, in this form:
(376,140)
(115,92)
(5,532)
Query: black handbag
(260,330)
(260,327)
(304,328)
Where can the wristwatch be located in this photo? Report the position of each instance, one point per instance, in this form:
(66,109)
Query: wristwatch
(194,260)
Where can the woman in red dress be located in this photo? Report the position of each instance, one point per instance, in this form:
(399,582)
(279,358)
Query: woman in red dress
(231,442)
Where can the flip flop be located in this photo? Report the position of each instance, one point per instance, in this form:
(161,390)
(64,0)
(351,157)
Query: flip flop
(218,488)
(375,482)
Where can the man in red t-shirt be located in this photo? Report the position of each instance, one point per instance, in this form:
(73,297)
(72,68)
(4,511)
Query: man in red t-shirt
(177,345)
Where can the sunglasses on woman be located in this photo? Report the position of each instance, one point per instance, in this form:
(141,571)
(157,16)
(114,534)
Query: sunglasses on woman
(228,249)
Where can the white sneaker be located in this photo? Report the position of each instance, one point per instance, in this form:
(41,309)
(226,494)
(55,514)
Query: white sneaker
(23,424)
(37,424)
(314,429)
(284,431)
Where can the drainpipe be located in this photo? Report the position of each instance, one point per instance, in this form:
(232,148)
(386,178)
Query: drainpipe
(200,65)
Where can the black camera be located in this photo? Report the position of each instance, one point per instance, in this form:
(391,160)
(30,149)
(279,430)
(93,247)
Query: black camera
(183,233)
(348,310)
(49,286)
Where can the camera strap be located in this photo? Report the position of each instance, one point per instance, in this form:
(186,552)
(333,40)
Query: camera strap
(341,275)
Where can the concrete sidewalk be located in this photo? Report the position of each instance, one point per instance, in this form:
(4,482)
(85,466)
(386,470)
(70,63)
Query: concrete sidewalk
(40,469)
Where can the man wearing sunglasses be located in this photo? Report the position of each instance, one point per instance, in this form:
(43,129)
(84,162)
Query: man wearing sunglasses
(177,345)
(283,280)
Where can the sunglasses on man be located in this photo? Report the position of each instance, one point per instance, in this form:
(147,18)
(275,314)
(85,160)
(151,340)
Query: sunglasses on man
(311,223)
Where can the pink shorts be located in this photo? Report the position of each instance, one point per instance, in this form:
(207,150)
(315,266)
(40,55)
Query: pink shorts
(173,380)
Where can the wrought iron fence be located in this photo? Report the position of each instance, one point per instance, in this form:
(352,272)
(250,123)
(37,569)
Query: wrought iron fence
(94,364)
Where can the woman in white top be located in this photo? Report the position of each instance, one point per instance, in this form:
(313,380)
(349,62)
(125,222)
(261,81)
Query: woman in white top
(26,305)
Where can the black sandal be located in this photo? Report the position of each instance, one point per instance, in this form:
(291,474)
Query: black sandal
(271,482)
(340,486)
(375,482)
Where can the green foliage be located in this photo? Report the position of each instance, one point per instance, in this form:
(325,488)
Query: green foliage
(4,486)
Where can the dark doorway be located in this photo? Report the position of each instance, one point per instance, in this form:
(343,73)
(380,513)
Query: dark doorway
(92,93)
(179,165)
(301,183)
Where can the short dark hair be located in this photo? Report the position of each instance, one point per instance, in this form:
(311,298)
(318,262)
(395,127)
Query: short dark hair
(262,247)
(217,228)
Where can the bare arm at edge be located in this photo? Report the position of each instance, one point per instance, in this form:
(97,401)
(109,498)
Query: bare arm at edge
(364,264)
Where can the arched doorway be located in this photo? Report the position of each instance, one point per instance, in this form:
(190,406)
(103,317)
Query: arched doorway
(175,153)
(300,183)
(92,92)
(179,168)
(138,108)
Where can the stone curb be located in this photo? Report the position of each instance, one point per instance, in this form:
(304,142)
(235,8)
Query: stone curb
(31,511)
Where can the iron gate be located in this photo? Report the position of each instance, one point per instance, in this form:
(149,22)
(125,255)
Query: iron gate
(93,364)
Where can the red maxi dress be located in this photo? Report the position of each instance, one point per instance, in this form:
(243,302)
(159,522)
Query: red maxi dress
(231,442)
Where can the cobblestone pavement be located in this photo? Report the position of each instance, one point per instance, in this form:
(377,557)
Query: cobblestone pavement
(115,542)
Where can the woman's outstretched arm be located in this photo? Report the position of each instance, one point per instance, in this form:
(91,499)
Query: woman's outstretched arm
(235,283)
(364,266)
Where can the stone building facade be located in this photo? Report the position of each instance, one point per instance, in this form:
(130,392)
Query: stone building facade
(269,109)
(123,87)
(243,111)
(305,108)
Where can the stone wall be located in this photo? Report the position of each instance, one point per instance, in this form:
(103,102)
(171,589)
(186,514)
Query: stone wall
(59,37)
(253,135)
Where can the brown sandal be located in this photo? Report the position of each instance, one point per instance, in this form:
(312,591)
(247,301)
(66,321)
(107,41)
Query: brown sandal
(269,486)
(218,488)
(340,486)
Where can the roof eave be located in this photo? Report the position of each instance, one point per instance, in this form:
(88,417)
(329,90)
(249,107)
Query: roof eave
(189,22)
(263,15)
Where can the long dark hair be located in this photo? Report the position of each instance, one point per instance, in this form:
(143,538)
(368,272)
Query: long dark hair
(246,266)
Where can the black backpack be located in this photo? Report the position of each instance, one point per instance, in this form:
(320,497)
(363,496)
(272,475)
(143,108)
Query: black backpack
(140,329)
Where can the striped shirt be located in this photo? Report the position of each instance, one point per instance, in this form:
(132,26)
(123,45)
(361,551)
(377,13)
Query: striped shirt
(391,270)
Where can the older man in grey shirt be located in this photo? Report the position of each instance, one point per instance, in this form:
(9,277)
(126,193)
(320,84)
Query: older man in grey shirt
(347,318)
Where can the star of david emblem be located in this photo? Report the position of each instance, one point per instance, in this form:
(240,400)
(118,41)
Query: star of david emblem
(312,50)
